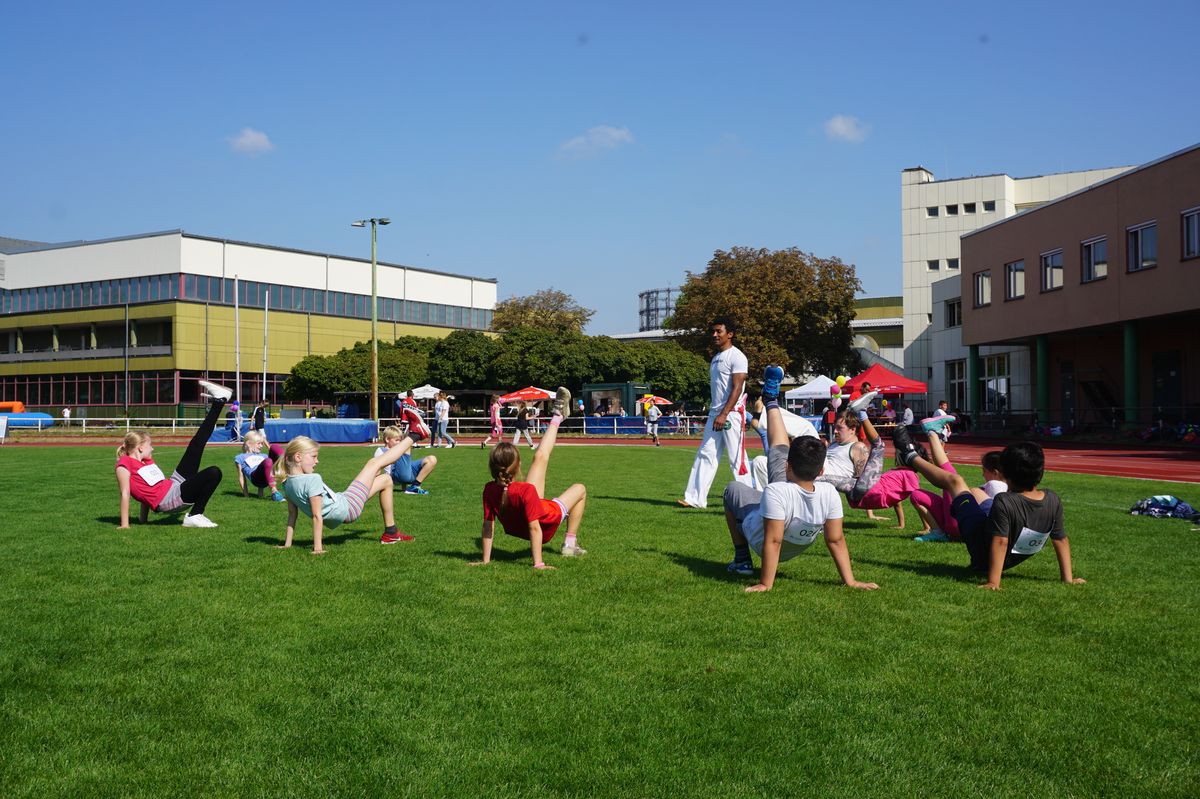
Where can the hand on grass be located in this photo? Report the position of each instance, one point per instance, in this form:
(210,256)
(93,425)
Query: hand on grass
(544,567)
(757,589)
(863,586)
(318,552)
(479,563)
(991,586)
(1075,581)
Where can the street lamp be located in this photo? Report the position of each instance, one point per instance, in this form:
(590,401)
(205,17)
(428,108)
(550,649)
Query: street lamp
(374,316)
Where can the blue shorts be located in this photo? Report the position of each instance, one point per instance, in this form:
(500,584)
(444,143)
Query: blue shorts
(405,470)
(971,522)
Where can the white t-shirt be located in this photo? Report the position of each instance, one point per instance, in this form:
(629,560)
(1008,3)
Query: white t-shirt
(994,487)
(441,410)
(837,460)
(802,512)
(908,416)
(795,425)
(652,414)
(724,366)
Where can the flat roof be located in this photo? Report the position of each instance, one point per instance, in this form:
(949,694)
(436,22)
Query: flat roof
(38,247)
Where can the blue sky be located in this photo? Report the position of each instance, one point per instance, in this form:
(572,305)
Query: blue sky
(602,148)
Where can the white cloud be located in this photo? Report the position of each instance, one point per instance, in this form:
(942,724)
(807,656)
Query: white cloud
(251,142)
(595,141)
(846,128)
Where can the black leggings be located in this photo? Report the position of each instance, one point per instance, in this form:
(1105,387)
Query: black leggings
(199,486)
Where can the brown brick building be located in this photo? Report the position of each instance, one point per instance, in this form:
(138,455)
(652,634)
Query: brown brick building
(1104,286)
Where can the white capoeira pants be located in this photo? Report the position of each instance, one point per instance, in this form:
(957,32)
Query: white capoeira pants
(708,457)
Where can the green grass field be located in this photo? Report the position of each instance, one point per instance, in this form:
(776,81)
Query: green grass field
(160,661)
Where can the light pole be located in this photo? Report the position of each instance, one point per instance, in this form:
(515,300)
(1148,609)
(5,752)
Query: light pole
(374,316)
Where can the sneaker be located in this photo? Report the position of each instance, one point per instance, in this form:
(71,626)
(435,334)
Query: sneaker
(395,538)
(198,520)
(906,450)
(573,551)
(772,377)
(862,402)
(415,490)
(934,536)
(277,497)
(562,402)
(934,424)
(744,568)
(215,390)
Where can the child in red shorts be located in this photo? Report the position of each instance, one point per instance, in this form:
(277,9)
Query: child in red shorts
(521,506)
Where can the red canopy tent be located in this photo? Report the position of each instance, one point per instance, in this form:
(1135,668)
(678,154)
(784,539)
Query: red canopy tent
(885,381)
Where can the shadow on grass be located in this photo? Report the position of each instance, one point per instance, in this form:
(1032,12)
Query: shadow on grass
(154,521)
(497,554)
(331,540)
(700,567)
(666,503)
(962,574)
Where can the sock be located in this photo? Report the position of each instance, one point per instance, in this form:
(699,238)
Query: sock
(390,529)
(556,420)
(771,403)
(570,540)
(415,484)
(741,553)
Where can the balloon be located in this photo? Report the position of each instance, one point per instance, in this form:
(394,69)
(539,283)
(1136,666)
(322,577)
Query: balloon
(835,402)
(884,402)
(841,380)
(835,390)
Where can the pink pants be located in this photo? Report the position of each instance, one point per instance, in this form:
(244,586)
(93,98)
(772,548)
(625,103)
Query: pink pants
(893,487)
(938,506)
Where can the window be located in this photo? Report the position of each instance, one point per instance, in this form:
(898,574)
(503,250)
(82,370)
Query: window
(968,208)
(993,383)
(953,313)
(932,265)
(1094,259)
(931,211)
(983,288)
(1191,233)
(1014,280)
(952,210)
(989,206)
(1052,271)
(956,383)
(952,263)
(1143,247)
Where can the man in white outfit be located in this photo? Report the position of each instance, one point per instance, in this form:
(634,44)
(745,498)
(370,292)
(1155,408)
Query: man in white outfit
(726,424)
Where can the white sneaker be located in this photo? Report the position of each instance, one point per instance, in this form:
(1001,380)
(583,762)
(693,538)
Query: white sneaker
(198,520)
(215,390)
(863,401)
(573,551)
(562,402)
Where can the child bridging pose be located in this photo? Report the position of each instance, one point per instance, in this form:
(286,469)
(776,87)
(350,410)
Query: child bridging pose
(1020,521)
(138,476)
(934,509)
(307,492)
(856,468)
(783,520)
(521,507)
(255,468)
(406,473)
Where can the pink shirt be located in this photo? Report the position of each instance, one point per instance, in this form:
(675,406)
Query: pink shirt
(139,489)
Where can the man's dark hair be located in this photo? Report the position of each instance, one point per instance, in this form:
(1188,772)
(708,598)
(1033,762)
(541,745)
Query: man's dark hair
(991,461)
(865,386)
(806,456)
(730,325)
(1023,464)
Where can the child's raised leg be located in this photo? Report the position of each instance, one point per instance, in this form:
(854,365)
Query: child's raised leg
(368,473)
(908,454)
(541,456)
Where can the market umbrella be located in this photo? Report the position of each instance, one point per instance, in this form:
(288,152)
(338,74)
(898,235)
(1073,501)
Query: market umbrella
(528,394)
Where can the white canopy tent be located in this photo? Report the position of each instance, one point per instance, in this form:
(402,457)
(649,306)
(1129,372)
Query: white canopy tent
(425,392)
(816,389)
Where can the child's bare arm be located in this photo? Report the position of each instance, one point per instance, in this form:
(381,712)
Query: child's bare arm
(1063,550)
(318,524)
(772,542)
(242,482)
(293,511)
(123,485)
(836,542)
(996,564)
(535,545)
(485,542)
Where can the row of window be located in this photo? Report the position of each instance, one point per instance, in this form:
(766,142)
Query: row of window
(934,211)
(1141,253)
(145,388)
(993,383)
(935,264)
(202,288)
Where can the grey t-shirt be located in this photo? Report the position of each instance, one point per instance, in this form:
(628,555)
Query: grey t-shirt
(300,488)
(1026,523)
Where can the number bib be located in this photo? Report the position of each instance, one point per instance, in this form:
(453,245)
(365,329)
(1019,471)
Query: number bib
(803,536)
(151,474)
(1029,542)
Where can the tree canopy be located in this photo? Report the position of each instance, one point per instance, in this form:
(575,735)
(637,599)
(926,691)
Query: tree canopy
(791,307)
(548,309)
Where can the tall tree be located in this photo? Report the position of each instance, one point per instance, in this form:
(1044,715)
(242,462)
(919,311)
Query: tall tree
(792,308)
(548,309)
(463,360)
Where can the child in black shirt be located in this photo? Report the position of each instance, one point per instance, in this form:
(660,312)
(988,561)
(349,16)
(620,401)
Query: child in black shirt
(1020,521)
